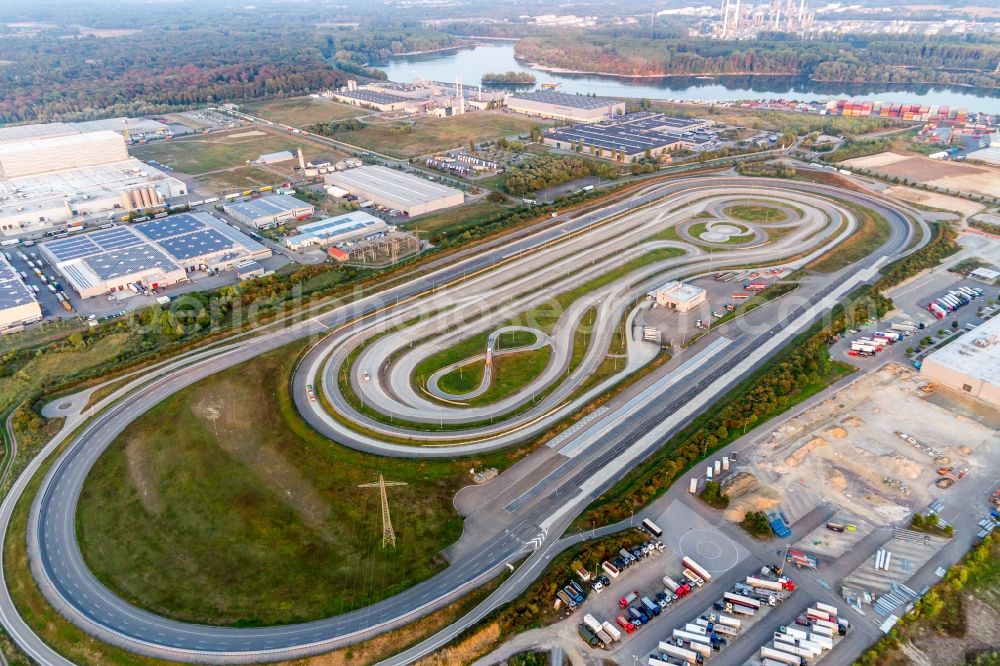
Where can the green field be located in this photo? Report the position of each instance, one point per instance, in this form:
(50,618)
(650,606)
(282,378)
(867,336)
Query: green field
(212,152)
(241,178)
(221,506)
(302,111)
(756,213)
(458,218)
(872,232)
(430,135)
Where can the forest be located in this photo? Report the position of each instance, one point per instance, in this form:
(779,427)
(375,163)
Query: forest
(548,170)
(61,72)
(849,59)
(49,78)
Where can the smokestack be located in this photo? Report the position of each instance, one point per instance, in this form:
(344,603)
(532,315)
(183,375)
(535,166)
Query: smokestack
(302,159)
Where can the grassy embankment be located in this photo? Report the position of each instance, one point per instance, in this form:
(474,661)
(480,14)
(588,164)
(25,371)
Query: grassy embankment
(872,232)
(222,506)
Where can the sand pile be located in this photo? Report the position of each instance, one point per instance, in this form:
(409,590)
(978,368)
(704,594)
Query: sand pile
(852,421)
(837,432)
(747,494)
(800,454)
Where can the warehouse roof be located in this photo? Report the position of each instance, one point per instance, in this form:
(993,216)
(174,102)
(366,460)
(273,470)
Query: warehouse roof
(73,141)
(564,99)
(13,292)
(633,133)
(405,189)
(266,206)
(974,354)
(374,97)
(38,131)
(356,221)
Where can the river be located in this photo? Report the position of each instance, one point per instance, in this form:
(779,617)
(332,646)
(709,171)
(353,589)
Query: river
(472,62)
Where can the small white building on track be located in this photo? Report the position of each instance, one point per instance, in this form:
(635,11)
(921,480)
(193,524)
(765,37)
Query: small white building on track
(678,296)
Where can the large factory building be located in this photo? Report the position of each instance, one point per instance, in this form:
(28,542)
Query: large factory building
(269,211)
(970,364)
(396,190)
(53,173)
(17,302)
(156,254)
(561,106)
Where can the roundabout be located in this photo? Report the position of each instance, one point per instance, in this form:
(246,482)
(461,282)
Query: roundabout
(577,286)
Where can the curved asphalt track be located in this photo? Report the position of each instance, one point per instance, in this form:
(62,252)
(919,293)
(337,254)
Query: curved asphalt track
(68,584)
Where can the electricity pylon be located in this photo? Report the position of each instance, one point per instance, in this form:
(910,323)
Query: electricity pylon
(388,534)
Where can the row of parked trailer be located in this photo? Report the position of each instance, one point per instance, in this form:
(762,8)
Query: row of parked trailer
(696,641)
(809,640)
(953,300)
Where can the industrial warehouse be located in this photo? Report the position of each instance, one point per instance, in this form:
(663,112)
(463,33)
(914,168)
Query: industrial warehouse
(17,302)
(154,254)
(341,229)
(52,173)
(396,190)
(561,106)
(269,211)
(435,97)
(633,135)
(970,364)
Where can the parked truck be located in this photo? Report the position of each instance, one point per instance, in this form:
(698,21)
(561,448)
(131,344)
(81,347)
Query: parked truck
(679,652)
(693,577)
(740,600)
(905,328)
(612,631)
(781,656)
(573,594)
(691,638)
(592,622)
(588,636)
(627,599)
(782,584)
(652,608)
(826,608)
(610,569)
(693,486)
(566,599)
(697,568)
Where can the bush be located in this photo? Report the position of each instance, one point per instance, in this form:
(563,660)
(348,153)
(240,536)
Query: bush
(713,496)
(756,525)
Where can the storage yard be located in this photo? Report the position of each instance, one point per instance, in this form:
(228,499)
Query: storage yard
(849,451)
(936,173)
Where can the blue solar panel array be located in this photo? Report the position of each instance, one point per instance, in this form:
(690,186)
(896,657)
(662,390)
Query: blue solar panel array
(13,292)
(196,244)
(128,260)
(168,227)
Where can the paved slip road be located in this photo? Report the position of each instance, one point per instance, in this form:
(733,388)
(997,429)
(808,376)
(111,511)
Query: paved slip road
(65,580)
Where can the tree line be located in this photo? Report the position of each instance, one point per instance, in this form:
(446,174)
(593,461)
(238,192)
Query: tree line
(850,59)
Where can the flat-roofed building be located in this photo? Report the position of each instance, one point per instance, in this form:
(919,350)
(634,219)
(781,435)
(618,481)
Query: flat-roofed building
(156,254)
(347,228)
(57,153)
(562,106)
(678,296)
(633,135)
(970,364)
(370,99)
(269,211)
(397,190)
(18,304)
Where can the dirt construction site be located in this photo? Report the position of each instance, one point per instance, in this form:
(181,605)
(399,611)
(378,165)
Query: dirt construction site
(862,452)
